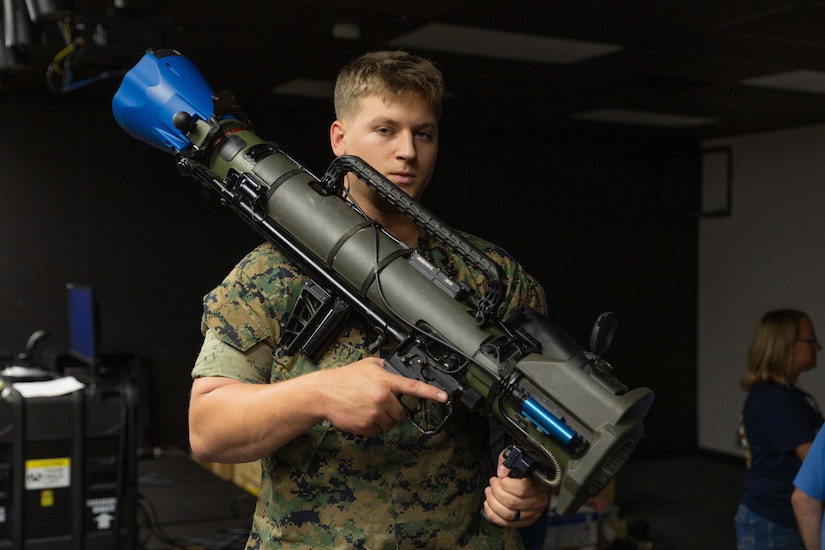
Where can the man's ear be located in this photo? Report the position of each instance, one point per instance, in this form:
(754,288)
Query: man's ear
(336,138)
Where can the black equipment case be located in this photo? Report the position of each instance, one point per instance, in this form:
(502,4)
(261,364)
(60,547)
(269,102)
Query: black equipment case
(68,466)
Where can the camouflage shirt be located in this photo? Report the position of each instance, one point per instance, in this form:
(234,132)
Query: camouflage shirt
(330,489)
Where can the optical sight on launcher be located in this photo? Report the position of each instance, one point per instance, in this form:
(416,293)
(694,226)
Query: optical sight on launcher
(573,423)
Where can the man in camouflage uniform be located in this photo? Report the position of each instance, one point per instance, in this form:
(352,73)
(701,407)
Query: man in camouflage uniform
(341,468)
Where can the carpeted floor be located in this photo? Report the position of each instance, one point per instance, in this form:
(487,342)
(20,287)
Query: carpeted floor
(681,503)
(687,503)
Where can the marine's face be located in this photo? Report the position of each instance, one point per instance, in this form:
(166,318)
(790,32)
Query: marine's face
(399,138)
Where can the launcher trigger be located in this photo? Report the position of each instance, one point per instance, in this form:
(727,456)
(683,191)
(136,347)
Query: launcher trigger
(413,362)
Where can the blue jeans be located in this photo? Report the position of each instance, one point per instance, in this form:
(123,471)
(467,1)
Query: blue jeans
(754,532)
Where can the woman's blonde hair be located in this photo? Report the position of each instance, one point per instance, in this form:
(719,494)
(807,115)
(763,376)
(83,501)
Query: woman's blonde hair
(770,352)
(387,74)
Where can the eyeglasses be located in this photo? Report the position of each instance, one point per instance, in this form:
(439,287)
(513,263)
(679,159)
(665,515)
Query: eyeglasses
(808,339)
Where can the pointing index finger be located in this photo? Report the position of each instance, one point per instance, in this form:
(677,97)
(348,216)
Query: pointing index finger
(416,388)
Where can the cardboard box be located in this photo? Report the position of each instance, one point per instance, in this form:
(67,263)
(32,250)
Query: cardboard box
(247,476)
(574,531)
(580,531)
(223,471)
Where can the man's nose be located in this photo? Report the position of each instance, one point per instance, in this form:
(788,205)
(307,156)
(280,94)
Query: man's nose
(406,145)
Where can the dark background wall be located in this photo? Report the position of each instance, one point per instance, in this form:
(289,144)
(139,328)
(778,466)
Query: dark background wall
(604,221)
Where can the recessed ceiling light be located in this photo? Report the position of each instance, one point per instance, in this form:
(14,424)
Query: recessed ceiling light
(306,87)
(801,80)
(501,44)
(643,118)
(346,31)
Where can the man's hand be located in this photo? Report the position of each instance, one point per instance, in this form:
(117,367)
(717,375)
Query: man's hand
(362,398)
(514,502)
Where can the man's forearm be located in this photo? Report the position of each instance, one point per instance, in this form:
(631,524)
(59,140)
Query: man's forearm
(236,422)
(808,511)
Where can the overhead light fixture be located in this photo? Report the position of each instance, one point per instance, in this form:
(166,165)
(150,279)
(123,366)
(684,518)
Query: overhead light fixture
(48,10)
(502,44)
(11,57)
(19,30)
(306,87)
(643,118)
(346,31)
(800,80)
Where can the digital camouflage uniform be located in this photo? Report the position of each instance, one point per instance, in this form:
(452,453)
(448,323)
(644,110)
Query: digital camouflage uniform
(330,489)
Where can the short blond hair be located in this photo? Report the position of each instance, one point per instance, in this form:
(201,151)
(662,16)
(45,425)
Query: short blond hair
(771,346)
(387,74)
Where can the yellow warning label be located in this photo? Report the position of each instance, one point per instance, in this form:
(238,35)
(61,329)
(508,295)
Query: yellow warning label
(48,473)
(48,462)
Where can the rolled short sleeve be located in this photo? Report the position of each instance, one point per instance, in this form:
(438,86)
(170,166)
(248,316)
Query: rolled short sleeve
(218,358)
(244,316)
(233,313)
(255,300)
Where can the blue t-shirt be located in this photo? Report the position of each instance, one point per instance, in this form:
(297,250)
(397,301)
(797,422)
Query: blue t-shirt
(811,476)
(776,420)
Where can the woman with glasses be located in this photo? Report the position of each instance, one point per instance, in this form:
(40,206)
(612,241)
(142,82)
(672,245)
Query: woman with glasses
(777,426)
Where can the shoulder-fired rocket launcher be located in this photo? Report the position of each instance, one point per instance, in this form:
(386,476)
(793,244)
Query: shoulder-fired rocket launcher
(573,424)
